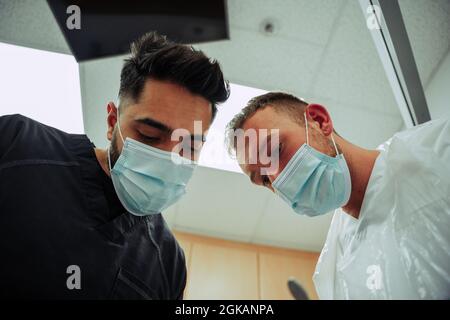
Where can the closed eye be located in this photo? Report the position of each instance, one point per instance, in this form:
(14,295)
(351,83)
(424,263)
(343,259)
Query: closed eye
(265,181)
(148,139)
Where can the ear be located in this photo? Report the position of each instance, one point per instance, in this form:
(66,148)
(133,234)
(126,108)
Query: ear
(111,119)
(319,114)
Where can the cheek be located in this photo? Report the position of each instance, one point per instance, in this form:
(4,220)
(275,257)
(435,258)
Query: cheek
(114,150)
(291,144)
(284,158)
(288,153)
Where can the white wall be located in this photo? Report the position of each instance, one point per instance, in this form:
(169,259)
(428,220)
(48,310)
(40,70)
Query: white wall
(100,81)
(438,91)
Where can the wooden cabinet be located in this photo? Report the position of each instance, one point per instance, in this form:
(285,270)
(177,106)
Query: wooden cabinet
(221,269)
(218,272)
(277,268)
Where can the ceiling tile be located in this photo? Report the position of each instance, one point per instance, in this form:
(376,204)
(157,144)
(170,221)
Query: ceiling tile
(265,62)
(428,26)
(298,20)
(30,23)
(281,226)
(220,203)
(351,71)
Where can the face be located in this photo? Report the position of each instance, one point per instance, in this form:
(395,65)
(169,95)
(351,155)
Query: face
(291,136)
(162,108)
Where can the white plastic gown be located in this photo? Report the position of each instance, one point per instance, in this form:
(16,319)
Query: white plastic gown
(399,247)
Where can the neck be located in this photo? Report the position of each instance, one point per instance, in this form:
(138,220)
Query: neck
(360,163)
(102,158)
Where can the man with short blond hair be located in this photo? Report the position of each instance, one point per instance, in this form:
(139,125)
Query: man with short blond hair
(389,236)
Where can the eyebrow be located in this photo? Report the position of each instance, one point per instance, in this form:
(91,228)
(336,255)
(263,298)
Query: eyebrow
(155,124)
(161,126)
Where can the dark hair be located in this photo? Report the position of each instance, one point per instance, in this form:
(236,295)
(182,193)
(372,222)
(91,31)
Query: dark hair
(154,56)
(280,101)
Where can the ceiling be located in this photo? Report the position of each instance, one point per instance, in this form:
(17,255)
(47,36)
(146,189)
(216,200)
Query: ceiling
(428,26)
(30,23)
(320,50)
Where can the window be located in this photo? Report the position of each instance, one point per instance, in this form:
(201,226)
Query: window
(41,85)
(214,153)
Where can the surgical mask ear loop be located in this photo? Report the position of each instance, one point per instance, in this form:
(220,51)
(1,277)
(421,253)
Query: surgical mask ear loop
(334,143)
(118,125)
(109,160)
(121,137)
(307,137)
(306,126)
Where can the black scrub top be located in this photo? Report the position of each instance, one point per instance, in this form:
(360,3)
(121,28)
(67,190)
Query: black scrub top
(58,209)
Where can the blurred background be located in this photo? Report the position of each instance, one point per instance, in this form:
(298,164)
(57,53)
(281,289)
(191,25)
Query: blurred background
(242,242)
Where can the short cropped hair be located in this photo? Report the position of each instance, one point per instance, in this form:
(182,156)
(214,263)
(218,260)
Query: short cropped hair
(153,56)
(280,101)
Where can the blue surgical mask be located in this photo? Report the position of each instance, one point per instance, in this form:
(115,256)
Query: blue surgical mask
(147,180)
(313,183)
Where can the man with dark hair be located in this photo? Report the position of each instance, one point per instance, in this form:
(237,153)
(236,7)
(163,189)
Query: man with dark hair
(389,236)
(79,222)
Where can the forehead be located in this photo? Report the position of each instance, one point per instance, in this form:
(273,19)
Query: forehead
(263,119)
(268,118)
(173,105)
